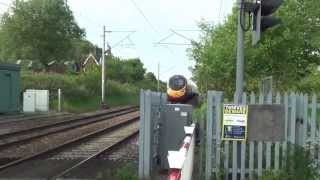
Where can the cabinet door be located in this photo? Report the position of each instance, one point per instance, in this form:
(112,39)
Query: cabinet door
(5,91)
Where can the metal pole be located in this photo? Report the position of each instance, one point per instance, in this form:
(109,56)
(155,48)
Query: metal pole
(239,76)
(59,100)
(240,58)
(158,76)
(103,67)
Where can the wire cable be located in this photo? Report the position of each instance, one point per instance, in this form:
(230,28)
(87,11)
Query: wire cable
(5,4)
(243,17)
(144,16)
(220,9)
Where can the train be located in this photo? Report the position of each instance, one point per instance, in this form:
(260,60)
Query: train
(179,92)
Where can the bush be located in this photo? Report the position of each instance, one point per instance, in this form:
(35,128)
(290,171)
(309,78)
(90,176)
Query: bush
(83,92)
(51,82)
(299,165)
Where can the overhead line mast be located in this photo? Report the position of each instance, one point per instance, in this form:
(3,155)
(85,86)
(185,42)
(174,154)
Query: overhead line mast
(103,66)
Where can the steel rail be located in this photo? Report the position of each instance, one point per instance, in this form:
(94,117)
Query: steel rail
(65,144)
(115,144)
(9,140)
(67,120)
(22,118)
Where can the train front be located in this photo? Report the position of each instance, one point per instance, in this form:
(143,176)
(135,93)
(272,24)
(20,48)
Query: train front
(177,89)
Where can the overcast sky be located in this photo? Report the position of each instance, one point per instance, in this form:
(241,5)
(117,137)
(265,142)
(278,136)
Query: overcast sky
(152,20)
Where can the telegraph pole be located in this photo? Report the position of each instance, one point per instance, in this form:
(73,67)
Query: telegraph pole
(240,56)
(103,103)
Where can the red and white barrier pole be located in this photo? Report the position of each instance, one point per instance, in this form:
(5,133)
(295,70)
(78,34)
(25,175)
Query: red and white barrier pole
(181,162)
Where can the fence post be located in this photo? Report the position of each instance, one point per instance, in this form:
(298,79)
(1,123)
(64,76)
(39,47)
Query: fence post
(145,155)
(213,126)
(305,118)
(59,100)
(292,137)
(217,125)
(313,125)
(251,148)
(202,143)
(209,136)
(141,137)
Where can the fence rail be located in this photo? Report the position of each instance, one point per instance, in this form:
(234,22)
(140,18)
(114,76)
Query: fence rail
(248,160)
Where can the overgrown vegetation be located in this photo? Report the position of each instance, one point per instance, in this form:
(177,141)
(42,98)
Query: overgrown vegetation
(127,172)
(299,165)
(82,92)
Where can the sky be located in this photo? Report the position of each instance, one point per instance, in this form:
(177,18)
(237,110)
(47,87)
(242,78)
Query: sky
(147,23)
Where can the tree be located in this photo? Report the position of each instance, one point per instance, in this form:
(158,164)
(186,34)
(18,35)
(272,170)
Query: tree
(126,71)
(42,30)
(80,50)
(149,76)
(285,52)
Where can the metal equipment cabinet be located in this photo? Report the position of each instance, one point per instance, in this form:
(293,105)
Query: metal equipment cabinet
(9,88)
(173,119)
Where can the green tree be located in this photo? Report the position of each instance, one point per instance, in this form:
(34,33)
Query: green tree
(42,30)
(285,52)
(80,50)
(149,76)
(126,71)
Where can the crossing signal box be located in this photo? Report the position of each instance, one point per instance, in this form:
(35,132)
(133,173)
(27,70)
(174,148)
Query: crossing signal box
(262,17)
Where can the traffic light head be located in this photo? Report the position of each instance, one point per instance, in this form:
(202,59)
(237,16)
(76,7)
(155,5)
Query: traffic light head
(269,6)
(262,19)
(268,22)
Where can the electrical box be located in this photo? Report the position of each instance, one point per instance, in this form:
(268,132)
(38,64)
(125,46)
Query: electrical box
(173,119)
(41,99)
(9,88)
(29,102)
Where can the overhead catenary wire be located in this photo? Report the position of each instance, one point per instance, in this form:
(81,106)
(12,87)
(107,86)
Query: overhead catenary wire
(220,9)
(175,32)
(150,24)
(144,16)
(4,4)
(123,39)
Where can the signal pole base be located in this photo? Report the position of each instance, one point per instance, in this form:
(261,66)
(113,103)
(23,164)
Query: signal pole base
(104,106)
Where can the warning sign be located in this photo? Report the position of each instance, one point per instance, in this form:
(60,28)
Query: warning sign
(234,125)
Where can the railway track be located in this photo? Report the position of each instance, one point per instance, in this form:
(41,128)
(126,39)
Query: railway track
(102,137)
(32,130)
(79,150)
(22,117)
(39,121)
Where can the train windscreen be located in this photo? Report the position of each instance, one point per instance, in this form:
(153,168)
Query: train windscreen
(177,82)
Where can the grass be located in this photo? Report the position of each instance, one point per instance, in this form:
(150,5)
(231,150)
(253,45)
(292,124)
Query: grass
(127,171)
(84,104)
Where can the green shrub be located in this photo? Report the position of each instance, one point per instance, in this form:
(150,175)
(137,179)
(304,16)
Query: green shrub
(126,172)
(82,92)
(200,112)
(299,165)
